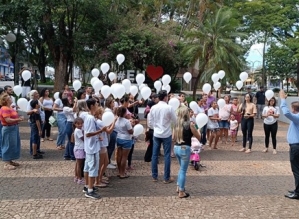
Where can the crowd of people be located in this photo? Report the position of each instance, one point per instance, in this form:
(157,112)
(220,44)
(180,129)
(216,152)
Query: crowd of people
(87,141)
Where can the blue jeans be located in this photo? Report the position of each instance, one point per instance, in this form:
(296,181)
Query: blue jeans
(183,155)
(0,139)
(61,123)
(69,149)
(32,136)
(167,160)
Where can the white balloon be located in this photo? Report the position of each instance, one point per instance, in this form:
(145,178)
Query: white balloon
(221,74)
(243,76)
(193,105)
(158,85)
(206,88)
(166,79)
(187,77)
(105,91)
(174,102)
(120,58)
(127,85)
(215,78)
(269,94)
(77,85)
(10,37)
(133,90)
(140,78)
(17,90)
(141,86)
(56,95)
(105,67)
(94,79)
(97,85)
(201,120)
(95,72)
(239,84)
(22,103)
(112,76)
(26,75)
(146,92)
(138,130)
(120,90)
(167,88)
(107,118)
(217,85)
(221,103)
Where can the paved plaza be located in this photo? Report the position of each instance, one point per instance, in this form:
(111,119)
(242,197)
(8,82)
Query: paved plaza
(233,185)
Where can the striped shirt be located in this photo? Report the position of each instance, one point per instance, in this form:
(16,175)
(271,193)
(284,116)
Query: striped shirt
(8,112)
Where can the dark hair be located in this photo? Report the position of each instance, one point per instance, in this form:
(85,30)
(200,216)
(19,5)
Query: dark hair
(273,98)
(77,120)
(1,90)
(33,103)
(79,93)
(121,111)
(6,87)
(244,105)
(90,102)
(125,98)
(162,94)
(60,94)
(65,101)
(42,93)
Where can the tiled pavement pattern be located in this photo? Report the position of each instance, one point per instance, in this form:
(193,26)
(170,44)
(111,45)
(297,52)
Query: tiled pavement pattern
(233,185)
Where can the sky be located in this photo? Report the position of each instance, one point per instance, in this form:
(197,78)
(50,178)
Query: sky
(255,56)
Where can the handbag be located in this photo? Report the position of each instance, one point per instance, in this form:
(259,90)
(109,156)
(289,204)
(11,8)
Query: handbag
(53,121)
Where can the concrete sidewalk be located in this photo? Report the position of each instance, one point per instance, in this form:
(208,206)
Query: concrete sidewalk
(233,185)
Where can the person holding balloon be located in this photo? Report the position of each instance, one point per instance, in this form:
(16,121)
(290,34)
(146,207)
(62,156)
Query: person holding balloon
(248,112)
(47,103)
(270,115)
(224,115)
(213,125)
(25,74)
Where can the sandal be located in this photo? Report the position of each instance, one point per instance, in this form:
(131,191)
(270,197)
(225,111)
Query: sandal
(14,164)
(59,148)
(124,177)
(42,140)
(49,139)
(105,181)
(102,185)
(9,167)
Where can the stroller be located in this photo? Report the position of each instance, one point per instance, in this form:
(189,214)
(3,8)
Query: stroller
(196,148)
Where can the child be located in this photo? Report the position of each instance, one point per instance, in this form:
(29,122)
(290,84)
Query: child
(213,125)
(36,130)
(233,128)
(79,150)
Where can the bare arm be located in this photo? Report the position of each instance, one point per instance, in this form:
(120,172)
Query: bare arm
(90,134)
(194,131)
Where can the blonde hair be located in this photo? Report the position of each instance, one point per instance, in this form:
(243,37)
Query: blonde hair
(183,119)
(81,106)
(99,111)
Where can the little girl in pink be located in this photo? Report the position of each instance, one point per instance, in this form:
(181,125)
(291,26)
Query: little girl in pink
(233,128)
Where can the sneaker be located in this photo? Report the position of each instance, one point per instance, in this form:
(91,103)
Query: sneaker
(274,151)
(265,150)
(113,162)
(111,166)
(92,195)
(168,181)
(242,150)
(66,158)
(40,152)
(85,189)
(37,156)
(248,151)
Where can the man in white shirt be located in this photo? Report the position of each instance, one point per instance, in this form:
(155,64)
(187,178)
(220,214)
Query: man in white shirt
(88,92)
(161,117)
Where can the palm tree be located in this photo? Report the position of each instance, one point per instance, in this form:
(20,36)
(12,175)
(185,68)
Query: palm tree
(212,44)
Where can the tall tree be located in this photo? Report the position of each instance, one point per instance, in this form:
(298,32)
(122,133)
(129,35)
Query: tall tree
(212,44)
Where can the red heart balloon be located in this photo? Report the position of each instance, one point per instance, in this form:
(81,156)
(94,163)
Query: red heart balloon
(154,72)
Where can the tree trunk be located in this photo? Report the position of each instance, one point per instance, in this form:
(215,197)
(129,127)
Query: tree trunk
(60,72)
(42,62)
(196,84)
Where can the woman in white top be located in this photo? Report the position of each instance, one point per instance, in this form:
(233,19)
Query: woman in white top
(270,115)
(224,114)
(124,140)
(47,102)
(61,120)
(68,111)
(213,125)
